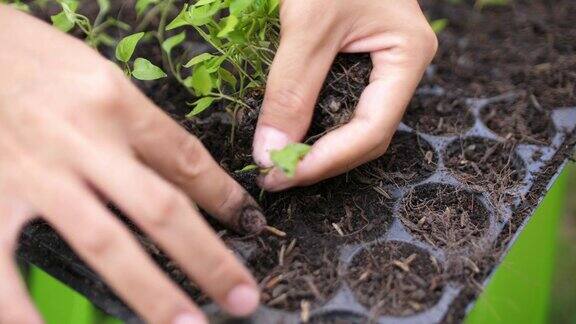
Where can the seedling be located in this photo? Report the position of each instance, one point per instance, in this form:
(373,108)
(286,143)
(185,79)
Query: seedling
(95,33)
(143,68)
(244,44)
(287,158)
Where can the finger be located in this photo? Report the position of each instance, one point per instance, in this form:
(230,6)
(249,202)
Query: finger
(300,66)
(168,217)
(182,159)
(15,305)
(367,135)
(108,247)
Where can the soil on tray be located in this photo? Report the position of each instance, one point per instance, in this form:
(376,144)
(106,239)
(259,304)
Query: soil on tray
(395,278)
(521,119)
(439,115)
(492,165)
(444,216)
(409,159)
(293,273)
(336,210)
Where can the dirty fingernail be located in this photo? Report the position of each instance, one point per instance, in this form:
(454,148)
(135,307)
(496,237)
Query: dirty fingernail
(252,220)
(190,319)
(268,138)
(243,300)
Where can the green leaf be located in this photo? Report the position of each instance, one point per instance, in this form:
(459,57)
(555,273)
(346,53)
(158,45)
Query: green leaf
(287,159)
(62,22)
(201,105)
(181,20)
(229,23)
(172,42)
(125,48)
(274,4)
(65,20)
(203,2)
(248,168)
(238,6)
(228,77)
(439,25)
(199,59)
(69,10)
(144,70)
(213,64)
(201,80)
(202,15)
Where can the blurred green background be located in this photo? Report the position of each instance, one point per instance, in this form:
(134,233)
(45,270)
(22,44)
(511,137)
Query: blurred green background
(563,296)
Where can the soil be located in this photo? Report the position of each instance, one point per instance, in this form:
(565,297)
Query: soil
(486,163)
(444,216)
(439,115)
(395,278)
(528,46)
(409,159)
(292,274)
(522,119)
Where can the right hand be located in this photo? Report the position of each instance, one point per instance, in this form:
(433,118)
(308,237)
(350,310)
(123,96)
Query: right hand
(74,129)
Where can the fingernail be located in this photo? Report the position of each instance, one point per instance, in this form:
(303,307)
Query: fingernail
(190,319)
(252,220)
(268,138)
(243,300)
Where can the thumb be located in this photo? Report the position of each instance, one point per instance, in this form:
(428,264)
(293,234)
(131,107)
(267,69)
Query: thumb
(296,77)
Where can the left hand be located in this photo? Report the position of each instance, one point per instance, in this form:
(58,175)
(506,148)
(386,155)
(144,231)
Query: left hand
(401,44)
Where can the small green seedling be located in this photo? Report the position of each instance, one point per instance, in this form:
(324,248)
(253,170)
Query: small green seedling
(143,69)
(248,168)
(244,44)
(95,32)
(287,158)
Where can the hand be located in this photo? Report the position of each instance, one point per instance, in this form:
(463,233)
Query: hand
(74,129)
(401,44)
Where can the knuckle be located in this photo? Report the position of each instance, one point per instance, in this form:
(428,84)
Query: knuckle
(417,47)
(190,159)
(167,206)
(285,103)
(429,42)
(109,84)
(100,240)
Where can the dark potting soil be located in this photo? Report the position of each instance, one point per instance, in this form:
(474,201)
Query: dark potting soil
(439,115)
(521,119)
(395,278)
(482,162)
(409,158)
(444,216)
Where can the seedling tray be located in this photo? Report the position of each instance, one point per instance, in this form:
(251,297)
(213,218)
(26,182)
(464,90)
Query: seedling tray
(405,268)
